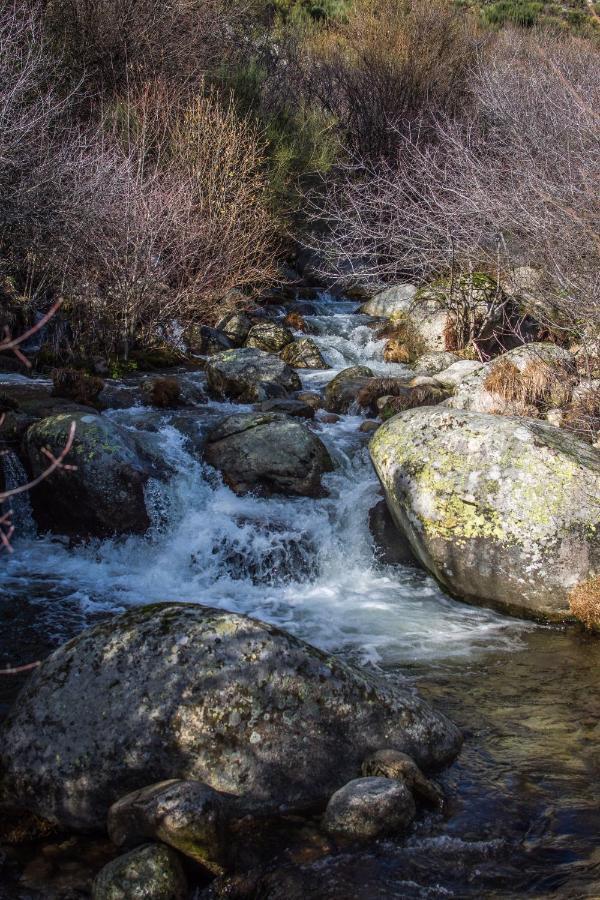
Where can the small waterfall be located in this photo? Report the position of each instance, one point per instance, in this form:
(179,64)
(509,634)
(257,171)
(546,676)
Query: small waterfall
(15,476)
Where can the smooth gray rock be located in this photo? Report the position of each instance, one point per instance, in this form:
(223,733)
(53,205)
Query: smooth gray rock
(269,336)
(151,872)
(187,815)
(189,692)
(367,808)
(268,453)
(104,495)
(249,376)
(341,392)
(502,511)
(434,363)
(303,354)
(397,298)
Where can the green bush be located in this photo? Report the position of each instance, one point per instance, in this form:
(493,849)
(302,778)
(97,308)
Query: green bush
(518,12)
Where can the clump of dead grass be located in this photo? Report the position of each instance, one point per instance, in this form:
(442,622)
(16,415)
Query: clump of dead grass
(584,602)
(539,386)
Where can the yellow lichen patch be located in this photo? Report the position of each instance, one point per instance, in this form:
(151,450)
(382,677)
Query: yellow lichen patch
(584,601)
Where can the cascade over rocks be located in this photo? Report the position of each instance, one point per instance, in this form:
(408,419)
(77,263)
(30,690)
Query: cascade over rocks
(268,453)
(182,691)
(502,511)
(249,376)
(104,495)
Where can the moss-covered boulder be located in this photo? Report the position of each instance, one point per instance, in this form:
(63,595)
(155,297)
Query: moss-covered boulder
(249,376)
(104,494)
(151,872)
(188,692)
(268,453)
(502,511)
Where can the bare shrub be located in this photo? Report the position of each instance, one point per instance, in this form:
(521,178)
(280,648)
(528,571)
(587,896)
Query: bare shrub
(385,68)
(582,415)
(511,181)
(115,43)
(584,601)
(170,212)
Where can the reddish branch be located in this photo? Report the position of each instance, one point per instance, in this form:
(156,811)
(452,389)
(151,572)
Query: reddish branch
(10,343)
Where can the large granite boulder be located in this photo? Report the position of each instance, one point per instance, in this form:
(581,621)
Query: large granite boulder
(188,692)
(268,453)
(249,376)
(104,494)
(502,511)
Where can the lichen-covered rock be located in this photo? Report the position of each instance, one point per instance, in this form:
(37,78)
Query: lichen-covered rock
(151,872)
(342,391)
(269,336)
(235,326)
(303,354)
(249,376)
(502,511)
(367,808)
(188,692)
(268,453)
(435,362)
(502,396)
(104,494)
(187,815)
(389,301)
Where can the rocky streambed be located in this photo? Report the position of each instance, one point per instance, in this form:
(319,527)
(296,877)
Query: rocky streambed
(254,494)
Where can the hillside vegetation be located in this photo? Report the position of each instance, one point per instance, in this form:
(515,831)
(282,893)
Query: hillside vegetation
(160,163)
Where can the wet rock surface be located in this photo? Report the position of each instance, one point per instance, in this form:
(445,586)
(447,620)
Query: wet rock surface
(367,808)
(269,453)
(104,494)
(250,376)
(193,693)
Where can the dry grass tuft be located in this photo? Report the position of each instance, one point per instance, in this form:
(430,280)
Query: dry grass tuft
(296,321)
(505,381)
(405,343)
(76,385)
(539,386)
(584,602)
(582,415)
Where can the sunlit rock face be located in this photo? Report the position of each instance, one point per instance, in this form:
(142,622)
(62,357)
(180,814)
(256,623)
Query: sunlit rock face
(185,691)
(503,511)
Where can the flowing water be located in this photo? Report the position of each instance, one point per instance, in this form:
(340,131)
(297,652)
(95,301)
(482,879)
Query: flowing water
(523,813)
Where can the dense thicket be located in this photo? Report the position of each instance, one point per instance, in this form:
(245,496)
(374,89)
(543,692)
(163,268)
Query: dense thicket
(154,156)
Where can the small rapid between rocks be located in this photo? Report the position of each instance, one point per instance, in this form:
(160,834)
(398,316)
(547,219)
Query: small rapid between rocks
(521,818)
